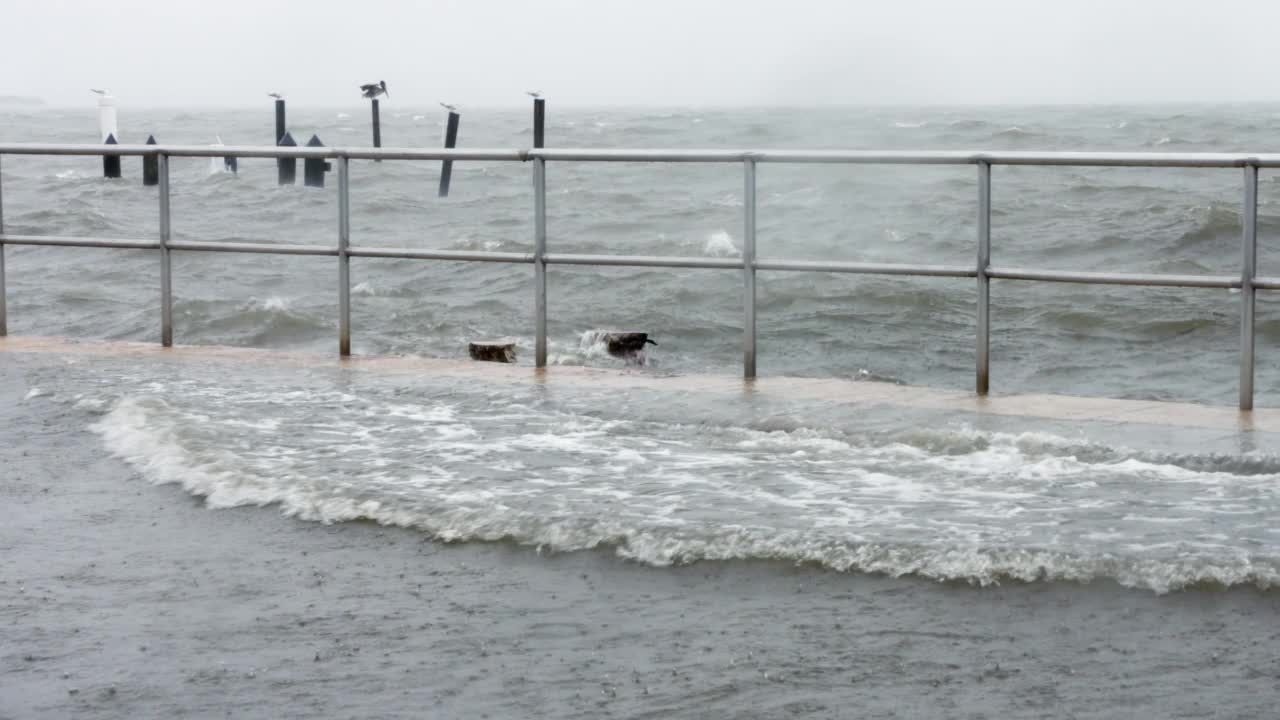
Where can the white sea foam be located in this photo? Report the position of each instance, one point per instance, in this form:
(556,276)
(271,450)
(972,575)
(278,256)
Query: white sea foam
(949,503)
(720,244)
(33,393)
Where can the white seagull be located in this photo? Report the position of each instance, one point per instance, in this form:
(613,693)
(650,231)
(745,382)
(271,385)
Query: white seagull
(533,93)
(277,96)
(100,92)
(450,108)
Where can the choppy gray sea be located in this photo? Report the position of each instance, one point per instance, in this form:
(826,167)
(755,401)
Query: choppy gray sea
(673,478)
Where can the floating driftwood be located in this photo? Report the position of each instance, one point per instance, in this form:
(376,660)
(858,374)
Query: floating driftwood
(503,351)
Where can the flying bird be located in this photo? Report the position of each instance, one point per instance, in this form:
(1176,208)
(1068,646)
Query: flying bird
(277,96)
(533,93)
(372,91)
(100,92)
(450,108)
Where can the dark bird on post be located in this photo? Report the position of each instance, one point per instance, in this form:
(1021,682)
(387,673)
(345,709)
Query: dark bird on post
(372,91)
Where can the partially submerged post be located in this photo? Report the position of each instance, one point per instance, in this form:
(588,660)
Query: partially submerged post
(151,166)
(229,162)
(377,126)
(281,132)
(539,120)
(287,168)
(313,169)
(450,140)
(503,351)
(111,163)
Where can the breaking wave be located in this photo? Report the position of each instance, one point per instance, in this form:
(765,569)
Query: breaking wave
(636,489)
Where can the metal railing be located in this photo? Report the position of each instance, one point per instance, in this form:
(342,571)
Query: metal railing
(1247,282)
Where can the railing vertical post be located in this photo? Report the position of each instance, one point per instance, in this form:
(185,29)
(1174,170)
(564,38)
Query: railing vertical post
(749,269)
(344,260)
(539,261)
(983,379)
(4,305)
(1248,273)
(166,271)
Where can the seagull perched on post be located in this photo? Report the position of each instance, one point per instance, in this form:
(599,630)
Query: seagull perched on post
(277,96)
(450,108)
(100,92)
(533,93)
(372,91)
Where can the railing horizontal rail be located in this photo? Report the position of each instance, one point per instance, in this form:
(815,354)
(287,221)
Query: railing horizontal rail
(855,157)
(88,242)
(643,261)
(418,254)
(867,268)
(264,248)
(1097,278)
(266,151)
(1267,283)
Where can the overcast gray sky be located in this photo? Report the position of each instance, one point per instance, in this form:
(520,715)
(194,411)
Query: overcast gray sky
(655,52)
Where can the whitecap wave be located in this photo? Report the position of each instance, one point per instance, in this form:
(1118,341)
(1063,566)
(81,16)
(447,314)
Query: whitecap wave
(947,504)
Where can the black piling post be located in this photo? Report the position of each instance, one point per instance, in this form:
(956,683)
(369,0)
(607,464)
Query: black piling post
(539,121)
(377,126)
(231,164)
(151,166)
(279,122)
(279,140)
(450,140)
(111,163)
(287,168)
(313,169)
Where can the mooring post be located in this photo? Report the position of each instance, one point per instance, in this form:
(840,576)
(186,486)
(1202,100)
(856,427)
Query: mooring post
(280,127)
(111,163)
(279,138)
(450,140)
(539,121)
(287,168)
(166,270)
(983,339)
(150,165)
(231,164)
(313,169)
(377,126)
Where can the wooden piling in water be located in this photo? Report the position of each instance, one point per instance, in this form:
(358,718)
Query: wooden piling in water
(450,141)
(377,125)
(313,169)
(539,121)
(111,163)
(151,166)
(278,140)
(287,168)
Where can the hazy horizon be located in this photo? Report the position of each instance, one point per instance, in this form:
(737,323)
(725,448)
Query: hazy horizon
(714,53)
